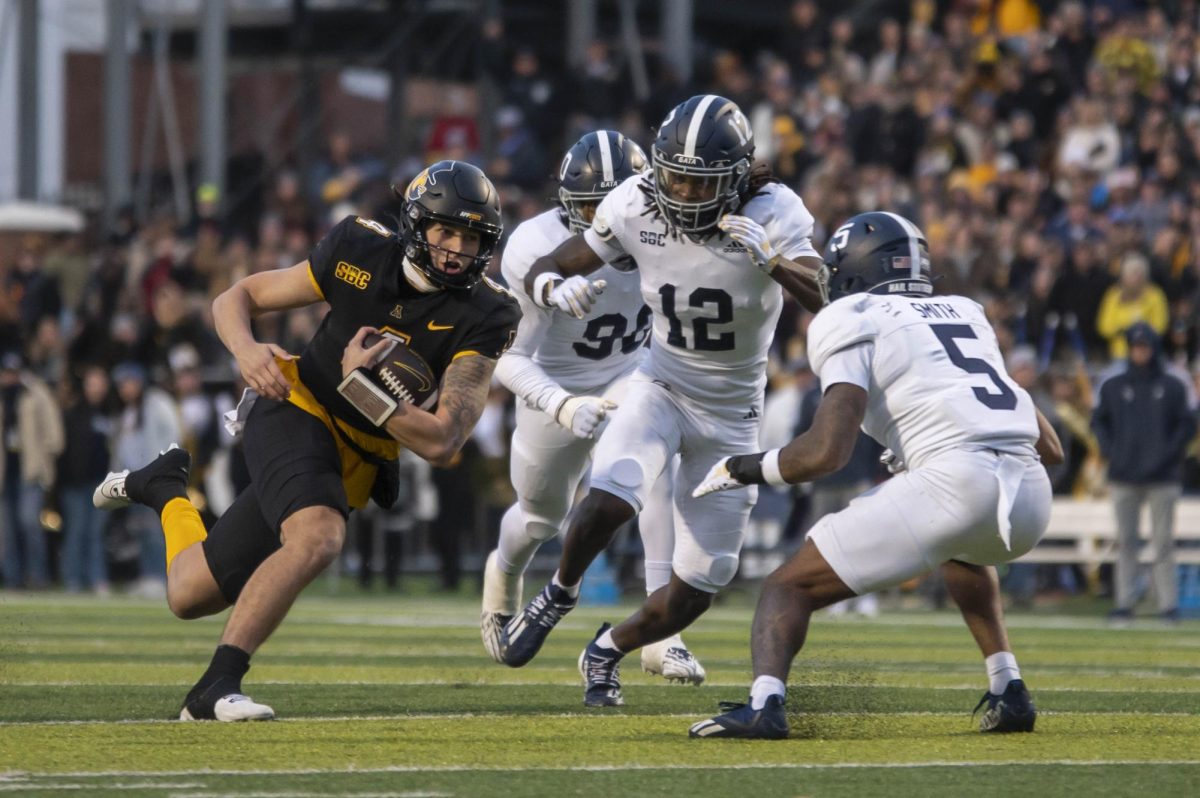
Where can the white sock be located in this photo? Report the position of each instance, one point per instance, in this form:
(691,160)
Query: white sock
(572,590)
(763,688)
(605,641)
(1001,669)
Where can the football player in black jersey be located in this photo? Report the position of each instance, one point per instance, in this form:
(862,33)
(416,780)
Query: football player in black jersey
(312,451)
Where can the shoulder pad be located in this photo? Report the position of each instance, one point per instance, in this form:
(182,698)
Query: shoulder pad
(837,326)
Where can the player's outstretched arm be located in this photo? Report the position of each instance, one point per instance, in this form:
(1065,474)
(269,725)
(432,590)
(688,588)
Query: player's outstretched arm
(252,296)
(556,280)
(798,277)
(826,447)
(1049,447)
(438,436)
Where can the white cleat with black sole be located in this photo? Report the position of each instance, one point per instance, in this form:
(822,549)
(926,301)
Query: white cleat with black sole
(113,492)
(234,708)
(671,660)
(501,600)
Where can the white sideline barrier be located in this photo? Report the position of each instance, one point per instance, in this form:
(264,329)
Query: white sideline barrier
(1085,530)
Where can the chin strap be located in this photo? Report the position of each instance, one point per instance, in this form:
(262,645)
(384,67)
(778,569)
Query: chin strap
(417,278)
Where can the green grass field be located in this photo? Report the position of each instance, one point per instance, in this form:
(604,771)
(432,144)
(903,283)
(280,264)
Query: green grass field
(395,697)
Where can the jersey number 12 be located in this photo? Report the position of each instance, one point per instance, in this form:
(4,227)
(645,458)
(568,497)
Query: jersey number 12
(716,299)
(1005,399)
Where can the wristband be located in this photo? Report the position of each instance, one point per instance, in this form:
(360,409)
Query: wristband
(770,469)
(539,288)
(367,398)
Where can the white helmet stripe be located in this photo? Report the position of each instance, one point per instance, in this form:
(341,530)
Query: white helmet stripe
(605,155)
(689,146)
(914,250)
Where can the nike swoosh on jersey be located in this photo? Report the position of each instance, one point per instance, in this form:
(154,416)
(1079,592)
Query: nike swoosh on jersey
(431,326)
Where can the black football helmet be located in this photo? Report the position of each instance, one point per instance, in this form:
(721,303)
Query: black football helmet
(594,166)
(451,192)
(702,157)
(875,253)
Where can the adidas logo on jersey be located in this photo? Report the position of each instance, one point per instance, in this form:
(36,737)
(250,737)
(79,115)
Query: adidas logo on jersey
(734,246)
(752,414)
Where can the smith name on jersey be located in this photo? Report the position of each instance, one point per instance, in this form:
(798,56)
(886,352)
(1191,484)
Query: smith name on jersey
(357,269)
(714,310)
(935,376)
(586,354)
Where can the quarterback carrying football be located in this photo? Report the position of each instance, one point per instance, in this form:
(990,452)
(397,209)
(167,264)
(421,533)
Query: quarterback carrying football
(924,377)
(322,430)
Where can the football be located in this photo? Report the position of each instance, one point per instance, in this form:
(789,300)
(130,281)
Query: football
(404,373)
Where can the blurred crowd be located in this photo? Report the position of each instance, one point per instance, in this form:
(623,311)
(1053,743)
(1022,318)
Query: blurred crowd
(1049,151)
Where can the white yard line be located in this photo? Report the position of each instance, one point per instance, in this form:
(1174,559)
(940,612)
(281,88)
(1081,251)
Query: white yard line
(26,778)
(575,682)
(581,715)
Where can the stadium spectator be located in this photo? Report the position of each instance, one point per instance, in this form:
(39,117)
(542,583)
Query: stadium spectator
(1144,426)
(1134,298)
(148,424)
(83,463)
(32,430)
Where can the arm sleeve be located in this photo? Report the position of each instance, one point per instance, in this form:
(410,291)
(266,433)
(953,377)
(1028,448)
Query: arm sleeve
(519,373)
(852,365)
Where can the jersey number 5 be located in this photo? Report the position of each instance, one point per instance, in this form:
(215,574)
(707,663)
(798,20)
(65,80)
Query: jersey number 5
(1005,399)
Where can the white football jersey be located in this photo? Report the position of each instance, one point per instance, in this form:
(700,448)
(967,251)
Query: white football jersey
(586,354)
(714,310)
(932,369)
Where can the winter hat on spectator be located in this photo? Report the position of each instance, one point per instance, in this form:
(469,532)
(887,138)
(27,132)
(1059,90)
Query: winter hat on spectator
(129,370)
(1142,333)
(12,361)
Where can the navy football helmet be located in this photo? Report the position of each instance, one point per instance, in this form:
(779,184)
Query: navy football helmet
(875,253)
(702,158)
(456,193)
(594,166)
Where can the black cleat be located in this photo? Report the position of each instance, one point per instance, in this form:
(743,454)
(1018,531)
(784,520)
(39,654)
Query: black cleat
(601,672)
(741,721)
(1011,711)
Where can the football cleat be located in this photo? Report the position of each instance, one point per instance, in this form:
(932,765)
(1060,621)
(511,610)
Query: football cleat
(501,595)
(228,709)
(491,629)
(601,672)
(166,475)
(527,631)
(671,660)
(741,720)
(1011,711)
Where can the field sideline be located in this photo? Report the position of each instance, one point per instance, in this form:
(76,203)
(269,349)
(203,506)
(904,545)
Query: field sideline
(395,697)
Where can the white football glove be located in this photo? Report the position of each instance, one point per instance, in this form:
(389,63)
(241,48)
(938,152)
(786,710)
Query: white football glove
(894,464)
(583,415)
(576,295)
(717,478)
(753,237)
